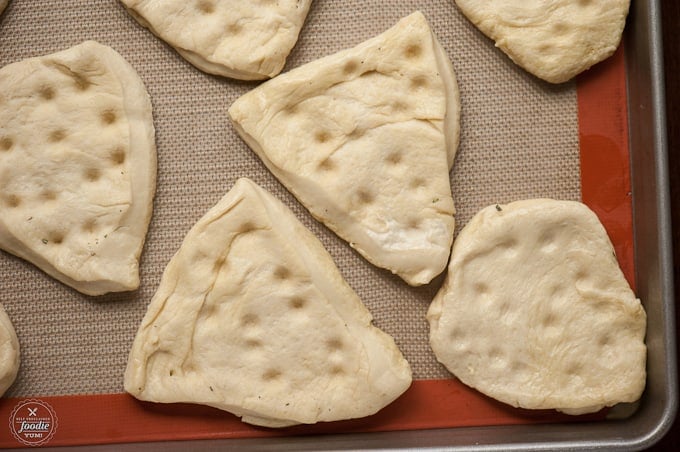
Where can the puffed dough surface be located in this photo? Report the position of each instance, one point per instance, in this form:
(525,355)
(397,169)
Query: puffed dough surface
(253,317)
(242,39)
(365,139)
(554,40)
(77,166)
(535,311)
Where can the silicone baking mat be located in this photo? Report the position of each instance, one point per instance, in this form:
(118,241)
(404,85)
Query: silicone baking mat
(521,138)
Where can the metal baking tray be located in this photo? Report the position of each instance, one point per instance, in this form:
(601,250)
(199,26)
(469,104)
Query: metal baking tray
(653,280)
(654,283)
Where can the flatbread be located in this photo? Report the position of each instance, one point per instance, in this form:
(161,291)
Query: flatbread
(9,352)
(536,313)
(554,40)
(365,139)
(242,39)
(77,166)
(253,317)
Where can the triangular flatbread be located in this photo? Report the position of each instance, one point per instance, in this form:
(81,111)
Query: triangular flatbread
(535,311)
(365,139)
(554,40)
(77,166)
(247,40)
(9,352)
(253,317)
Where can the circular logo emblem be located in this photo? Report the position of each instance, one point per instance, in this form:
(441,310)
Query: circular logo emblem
(33,422)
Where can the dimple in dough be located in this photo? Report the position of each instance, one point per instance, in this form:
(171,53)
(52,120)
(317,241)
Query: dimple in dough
(535,311)
(365,139)
(554,40)
(77,166)
(253,317)
(242,39)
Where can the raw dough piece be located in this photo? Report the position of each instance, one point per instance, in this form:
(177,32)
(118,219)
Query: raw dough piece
(253,317)
(365,139)
(554,40)
(77,166)
(243,39)
(536,313)
(9,352)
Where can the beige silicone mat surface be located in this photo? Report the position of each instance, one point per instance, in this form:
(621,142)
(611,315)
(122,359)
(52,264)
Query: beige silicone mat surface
(519,140)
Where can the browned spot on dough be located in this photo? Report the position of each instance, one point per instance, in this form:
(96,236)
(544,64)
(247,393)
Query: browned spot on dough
(322,136)
(350,67)
(13,201)
(249,320)
(48,195)
(544,48)
(297,303)
(549,319)
(81,81)
(46,92)
(394,158)
(57,135)
(92,174)
(399,106)
(219,262)
(481,288)
(6,143)
(89,225)
(271,374)
(574,368)
(56,237)
(108,116)
(417,182)
(603,340)
(334,343)
(206,6)
(337,370)
(326,165)
(118,156)
(364,196)
(253,343)
(247,227)
(456,334)
(495,353)
(419,81)
(282,273)
(357,133)
(413,51)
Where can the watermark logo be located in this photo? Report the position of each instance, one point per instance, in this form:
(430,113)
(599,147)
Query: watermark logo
(33,422)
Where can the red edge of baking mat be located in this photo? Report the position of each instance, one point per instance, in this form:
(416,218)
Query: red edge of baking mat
(119,418)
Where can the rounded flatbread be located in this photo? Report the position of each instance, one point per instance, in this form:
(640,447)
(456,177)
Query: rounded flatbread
(242,39)
(77,166)
(9,352)
(535,311)
(554,40)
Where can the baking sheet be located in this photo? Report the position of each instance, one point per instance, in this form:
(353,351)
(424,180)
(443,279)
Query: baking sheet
(520,139)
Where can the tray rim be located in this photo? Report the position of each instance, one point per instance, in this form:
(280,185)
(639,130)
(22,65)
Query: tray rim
(653,257)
